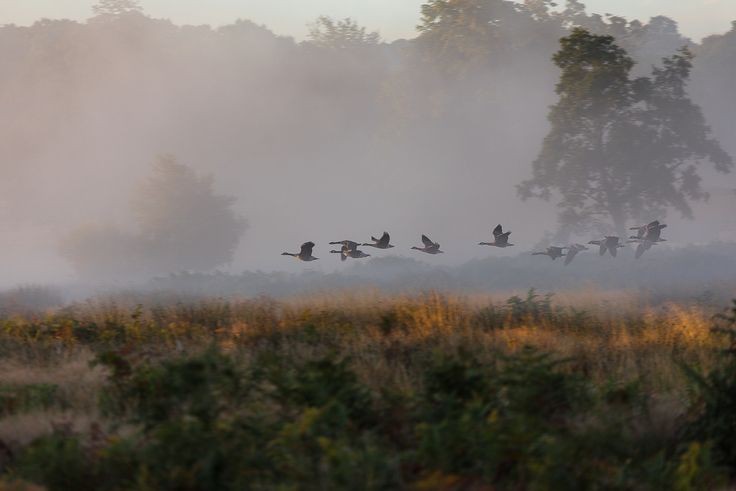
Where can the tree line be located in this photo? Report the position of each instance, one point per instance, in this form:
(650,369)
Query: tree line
(624,142)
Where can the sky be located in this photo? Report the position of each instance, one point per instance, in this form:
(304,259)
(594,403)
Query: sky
(392,18)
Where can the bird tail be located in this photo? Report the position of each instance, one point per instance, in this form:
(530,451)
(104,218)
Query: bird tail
(289,254)
(417,248)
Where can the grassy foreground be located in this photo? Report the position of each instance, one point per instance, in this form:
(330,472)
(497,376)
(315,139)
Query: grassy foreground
(369,392)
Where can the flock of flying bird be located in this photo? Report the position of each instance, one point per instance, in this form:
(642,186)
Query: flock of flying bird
(646,236)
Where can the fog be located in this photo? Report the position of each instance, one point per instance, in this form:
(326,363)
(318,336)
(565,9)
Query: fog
(314,141)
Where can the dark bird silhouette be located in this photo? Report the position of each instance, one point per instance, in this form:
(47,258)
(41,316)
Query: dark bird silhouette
(382,243)
(350,244)
(429,246)
(553,252)
(644,246)
(651,232)
(609,243)
(647,236)
(500,238)
(572,251)
(347,252)
(305,254)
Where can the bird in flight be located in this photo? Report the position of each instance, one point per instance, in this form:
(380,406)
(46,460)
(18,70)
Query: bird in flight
(429,246)
(382,243)
(572,251)
(305,253)
(346,252)
(553,251)
(609,243)
(500,238)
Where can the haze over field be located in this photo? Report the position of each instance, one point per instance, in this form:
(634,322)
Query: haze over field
(323,139)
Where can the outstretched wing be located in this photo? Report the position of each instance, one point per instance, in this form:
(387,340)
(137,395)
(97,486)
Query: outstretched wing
(498,230)
(427,241)
(571,252)
(385,239)
(613,249)
(602,250)
(306,249)
(640,249)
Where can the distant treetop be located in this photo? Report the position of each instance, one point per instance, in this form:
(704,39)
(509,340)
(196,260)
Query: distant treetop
(116,7)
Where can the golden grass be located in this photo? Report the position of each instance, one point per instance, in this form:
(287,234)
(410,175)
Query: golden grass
(609,335)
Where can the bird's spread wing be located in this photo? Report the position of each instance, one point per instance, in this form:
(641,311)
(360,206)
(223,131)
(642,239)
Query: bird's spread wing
(640,249)
(613,250)
(306,249)
(498,230)
(385,239)
(427,241)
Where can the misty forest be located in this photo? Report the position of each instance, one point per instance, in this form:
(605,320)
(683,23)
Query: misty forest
(498,254)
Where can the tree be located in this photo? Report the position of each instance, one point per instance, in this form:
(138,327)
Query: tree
(183,225)
(620,148)
(341,34)
(116,7)
(463,36)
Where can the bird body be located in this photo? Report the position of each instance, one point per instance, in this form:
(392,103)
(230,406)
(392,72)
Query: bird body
(429,246)
(350,244)
(500,238)
(304,254)
(647,236)
(610,243)
(382,243)
(572,251)
(347,252)
(553,252)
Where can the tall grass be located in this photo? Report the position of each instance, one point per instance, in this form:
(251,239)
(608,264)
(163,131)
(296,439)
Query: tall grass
(122,369)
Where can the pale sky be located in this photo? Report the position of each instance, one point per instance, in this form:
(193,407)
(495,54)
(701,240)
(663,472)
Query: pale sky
(392,18)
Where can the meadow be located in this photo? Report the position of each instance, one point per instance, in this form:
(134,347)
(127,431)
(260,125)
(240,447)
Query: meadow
(365,390)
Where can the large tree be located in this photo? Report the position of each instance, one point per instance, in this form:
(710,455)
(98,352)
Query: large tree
(620,148)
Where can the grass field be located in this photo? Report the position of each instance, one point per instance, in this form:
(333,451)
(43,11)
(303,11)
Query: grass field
(581,390)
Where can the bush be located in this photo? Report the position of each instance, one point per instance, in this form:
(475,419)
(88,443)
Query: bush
(714,414)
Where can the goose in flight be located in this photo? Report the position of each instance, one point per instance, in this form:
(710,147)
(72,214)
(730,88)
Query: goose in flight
(500,238)
(651,232)
(350,244)
(644,246)
(346,252)
(609,243)
(305,254)
(572,251)
(429,246)
(382,243)
(553,251)
(647,236)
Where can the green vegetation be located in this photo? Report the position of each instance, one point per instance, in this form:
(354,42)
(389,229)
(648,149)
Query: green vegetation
(425,392)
